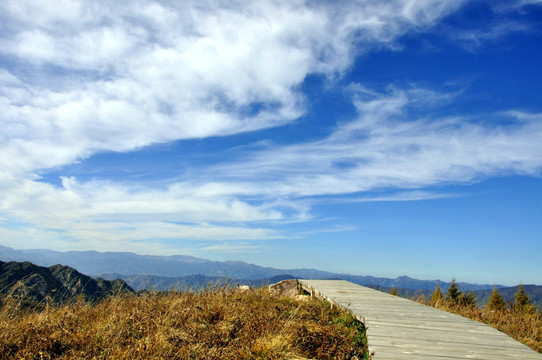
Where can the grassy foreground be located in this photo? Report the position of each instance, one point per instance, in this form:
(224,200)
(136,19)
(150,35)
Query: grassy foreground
(213,324)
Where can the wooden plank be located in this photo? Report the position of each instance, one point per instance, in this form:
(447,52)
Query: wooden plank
(399,328)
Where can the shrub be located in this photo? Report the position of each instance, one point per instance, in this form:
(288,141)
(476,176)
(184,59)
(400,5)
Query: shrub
(496,302)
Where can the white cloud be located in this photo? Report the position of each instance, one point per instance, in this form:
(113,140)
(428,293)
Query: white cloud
(159,238)
(47,205)
(414,195)
(79,78)
(114,76)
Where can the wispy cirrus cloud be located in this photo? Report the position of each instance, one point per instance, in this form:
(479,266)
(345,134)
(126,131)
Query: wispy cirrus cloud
(475,38)
(413,195)
(233,247)
(507,19)
(514,5)
(385,148)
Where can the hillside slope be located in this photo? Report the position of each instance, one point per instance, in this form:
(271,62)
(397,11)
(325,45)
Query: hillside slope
(32,285)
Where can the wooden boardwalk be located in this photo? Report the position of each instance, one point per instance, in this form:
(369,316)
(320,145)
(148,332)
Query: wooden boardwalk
(399,328)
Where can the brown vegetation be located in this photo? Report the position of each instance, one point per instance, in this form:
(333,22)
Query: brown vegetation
(520,320)
(214,324)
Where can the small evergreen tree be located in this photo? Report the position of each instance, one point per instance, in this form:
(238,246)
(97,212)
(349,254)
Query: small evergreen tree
(453,293)
(521,300)
(468,299)
(496,302)
(393,291)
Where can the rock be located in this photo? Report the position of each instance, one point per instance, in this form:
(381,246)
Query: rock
(285,288)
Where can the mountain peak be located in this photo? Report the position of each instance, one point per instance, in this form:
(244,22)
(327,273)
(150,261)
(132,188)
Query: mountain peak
(35,285)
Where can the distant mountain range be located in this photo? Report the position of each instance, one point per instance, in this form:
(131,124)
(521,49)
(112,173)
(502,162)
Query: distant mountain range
(191,282)
(125,263)
(29,285)
(177,269)
(36,282)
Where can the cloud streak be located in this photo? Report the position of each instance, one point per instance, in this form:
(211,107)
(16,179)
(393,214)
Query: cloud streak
(384,148)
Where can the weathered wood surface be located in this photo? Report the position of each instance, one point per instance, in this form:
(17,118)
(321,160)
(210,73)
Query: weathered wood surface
(399,328)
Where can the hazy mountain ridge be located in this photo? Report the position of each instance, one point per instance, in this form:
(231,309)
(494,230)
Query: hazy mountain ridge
(191,282)
(123,263)
(35,285)
(127,264)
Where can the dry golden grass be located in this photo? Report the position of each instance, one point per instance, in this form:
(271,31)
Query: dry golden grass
(214,324)
(524,325)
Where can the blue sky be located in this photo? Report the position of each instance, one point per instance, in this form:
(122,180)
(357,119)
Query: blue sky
(387,138)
